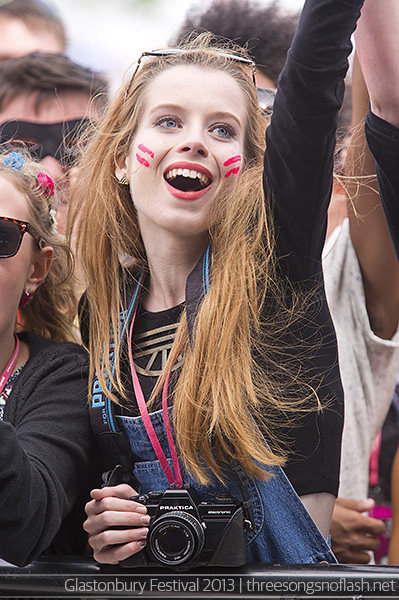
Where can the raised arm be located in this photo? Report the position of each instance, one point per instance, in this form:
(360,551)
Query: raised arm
(301,137)
(377,46)
(376,42)
(368,227)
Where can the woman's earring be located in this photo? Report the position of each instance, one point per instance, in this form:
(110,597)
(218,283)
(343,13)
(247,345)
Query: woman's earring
(26,296)
(124,180)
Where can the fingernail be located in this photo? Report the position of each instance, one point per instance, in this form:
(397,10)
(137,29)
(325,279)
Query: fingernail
(145,520)
(143,532)
(141,542)
(141,509)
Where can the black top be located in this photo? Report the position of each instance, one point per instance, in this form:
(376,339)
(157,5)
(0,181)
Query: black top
(298,174)
(383,139)
(46,454)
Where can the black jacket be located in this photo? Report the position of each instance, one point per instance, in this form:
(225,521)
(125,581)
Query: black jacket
(46,454)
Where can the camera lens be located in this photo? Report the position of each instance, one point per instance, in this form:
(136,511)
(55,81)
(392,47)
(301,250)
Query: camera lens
(172,540)
(175,538)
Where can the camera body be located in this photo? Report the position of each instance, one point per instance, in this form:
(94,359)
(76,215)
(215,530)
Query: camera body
(185,532)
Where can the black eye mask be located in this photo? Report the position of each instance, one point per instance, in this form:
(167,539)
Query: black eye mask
(58,140)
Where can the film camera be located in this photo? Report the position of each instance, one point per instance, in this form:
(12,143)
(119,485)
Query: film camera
(185,532)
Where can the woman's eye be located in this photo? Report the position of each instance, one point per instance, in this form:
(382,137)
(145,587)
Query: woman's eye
(167,122)
(223,130)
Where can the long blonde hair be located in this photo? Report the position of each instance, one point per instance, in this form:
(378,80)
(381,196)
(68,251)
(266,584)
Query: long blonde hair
(221,394)
(51,311)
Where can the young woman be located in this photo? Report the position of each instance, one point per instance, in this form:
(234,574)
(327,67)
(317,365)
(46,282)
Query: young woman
(46,442)
(210,279)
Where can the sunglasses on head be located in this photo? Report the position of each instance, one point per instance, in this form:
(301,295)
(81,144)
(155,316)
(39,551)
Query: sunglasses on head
(11,233)
(246,62)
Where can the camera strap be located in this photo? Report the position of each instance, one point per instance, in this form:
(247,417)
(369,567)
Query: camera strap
(247,506)
(117,454)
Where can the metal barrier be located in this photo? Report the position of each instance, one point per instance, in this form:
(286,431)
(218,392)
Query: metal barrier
(74,577)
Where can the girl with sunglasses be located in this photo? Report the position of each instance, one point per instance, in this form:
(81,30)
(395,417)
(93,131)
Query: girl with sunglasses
(44,427)
(203,261)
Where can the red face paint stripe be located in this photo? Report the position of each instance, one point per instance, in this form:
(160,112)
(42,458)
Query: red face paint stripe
(232,160)
(142,161)
(232,172)
(145,150)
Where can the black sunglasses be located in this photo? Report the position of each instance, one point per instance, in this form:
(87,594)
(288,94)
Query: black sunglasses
(246,62)
(11,233)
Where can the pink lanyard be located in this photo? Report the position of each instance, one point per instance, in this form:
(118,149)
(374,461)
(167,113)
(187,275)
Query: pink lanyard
(172,479)
(11,364)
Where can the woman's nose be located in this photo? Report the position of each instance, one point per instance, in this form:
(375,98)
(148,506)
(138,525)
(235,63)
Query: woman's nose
(194,144)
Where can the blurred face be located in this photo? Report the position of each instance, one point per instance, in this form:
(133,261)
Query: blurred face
(16,270)
(45,128)
(188,147)
(16,39)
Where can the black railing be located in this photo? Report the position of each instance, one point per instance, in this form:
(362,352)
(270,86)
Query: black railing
(57,577)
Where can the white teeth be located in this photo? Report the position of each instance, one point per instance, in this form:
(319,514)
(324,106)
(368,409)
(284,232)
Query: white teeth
(188,173)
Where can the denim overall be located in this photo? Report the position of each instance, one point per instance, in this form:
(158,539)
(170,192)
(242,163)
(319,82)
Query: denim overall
(284,530)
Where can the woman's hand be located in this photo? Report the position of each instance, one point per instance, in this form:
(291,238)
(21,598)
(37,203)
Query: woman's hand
(110,508)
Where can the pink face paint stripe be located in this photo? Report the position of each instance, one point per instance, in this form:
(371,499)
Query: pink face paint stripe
(231,160)
(143,161)
(232,172)
(145,150)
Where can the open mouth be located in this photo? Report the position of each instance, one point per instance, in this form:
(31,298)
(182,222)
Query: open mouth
(187,180)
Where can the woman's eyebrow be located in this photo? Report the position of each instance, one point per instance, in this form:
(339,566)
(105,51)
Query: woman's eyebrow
(220,115)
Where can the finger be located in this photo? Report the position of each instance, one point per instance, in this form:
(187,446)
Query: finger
(357,505)
(372,526)
(96,507)
(353,557)
(109,519)
(364,543)
(117,491)
(117,537)
(112,555)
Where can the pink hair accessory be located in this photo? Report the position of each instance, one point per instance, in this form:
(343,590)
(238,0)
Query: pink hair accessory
(47,184)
